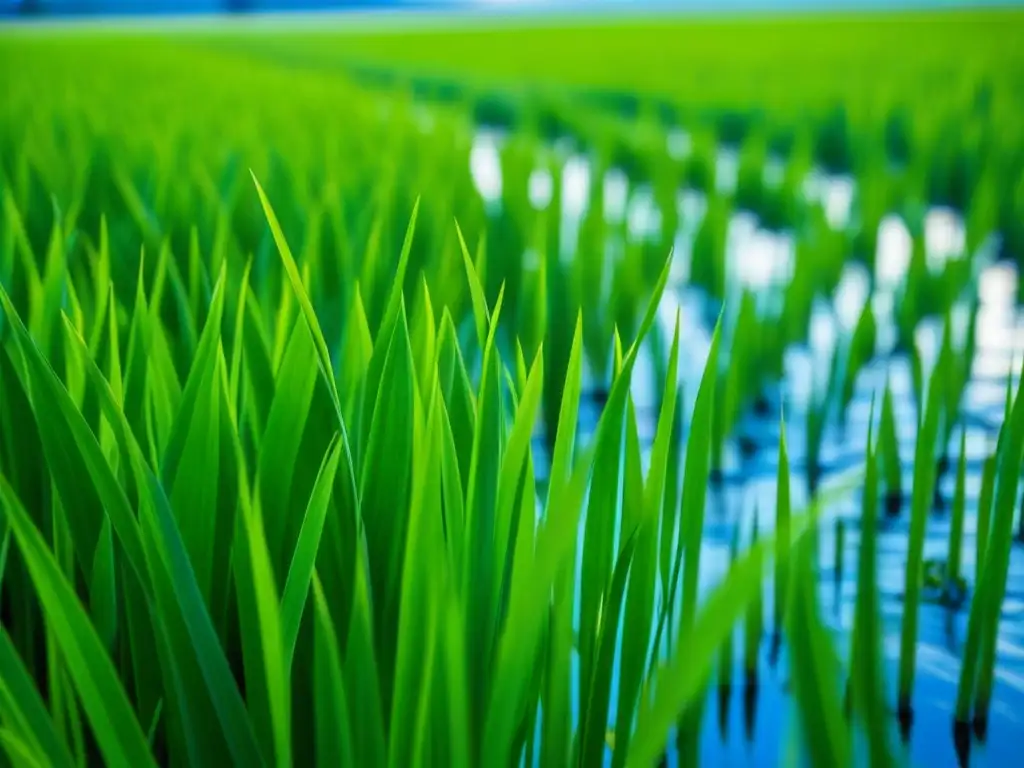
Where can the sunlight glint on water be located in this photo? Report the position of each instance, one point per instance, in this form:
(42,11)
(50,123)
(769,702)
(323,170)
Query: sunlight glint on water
(762,260)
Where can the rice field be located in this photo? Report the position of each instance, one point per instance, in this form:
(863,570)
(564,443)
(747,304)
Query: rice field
(448,390)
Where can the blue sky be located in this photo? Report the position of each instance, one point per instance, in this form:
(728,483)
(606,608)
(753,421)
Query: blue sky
(121,6)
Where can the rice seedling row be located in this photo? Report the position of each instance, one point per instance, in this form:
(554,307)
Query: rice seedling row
(338,427)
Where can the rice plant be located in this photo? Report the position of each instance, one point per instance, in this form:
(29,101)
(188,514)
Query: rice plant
(370,401)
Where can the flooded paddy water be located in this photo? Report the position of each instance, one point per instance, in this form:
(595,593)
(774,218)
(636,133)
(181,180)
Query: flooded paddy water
(747,721)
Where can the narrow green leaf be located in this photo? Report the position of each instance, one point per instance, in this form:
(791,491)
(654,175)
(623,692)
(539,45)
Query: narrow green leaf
(481,316)
(815,668)
(783,512)
(82,471)
(565,436)
(103,588)
(167,552)
(695,482)
(106,705)
(532,582)
(415,657)
(866,675)
(268,613)
(512,467)
(18,751)
(598,546)
(385,333)
(890,449)
(923,494)
(997,551)
(333,729)
(281,444)
(483,565)
(22,708)
(460,401)
(956,528)
(639,609)
(595,717)
(301,570)
(753,622)
(682,678)
(384,497)
(988,480)
(362,675)
(291,268)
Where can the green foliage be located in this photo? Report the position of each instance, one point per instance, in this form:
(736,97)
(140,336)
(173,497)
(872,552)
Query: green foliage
(298,467)
(956,528)
(921,501)
(783,514)
(867,682)
(889,447)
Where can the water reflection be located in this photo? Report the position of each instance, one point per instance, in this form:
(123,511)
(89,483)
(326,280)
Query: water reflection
(762,260)
(944,236)
(893,252)
(541,188)
(644,217)
(678,143)
(834,192)
(485,163)
(616,195)
(727,166)
(851,295)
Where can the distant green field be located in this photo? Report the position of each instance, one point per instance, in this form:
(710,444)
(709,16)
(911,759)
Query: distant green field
(869,62)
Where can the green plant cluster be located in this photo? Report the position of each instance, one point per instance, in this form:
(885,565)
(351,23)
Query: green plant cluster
(293,461)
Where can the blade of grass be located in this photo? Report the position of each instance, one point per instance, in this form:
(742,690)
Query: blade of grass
(414,665)
(639,608)
(923,494)
(695,481)
(18,751)
(815,668)
(386,330)
(481,316)
(170,629)
(956,528)
(511,478)
(23,710)
(384,497)
(890,449)
(333,729)
(753,624)
(866,674)
(598,544)
(77,464)
(301,569)
(291,268)
(483,565)
(177,590)
(594,722)
(681,679)
(984,514)
(556,722)
(281,444)
(362,675)
(118,733)
(783,512)
(997,552)
(268,614)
